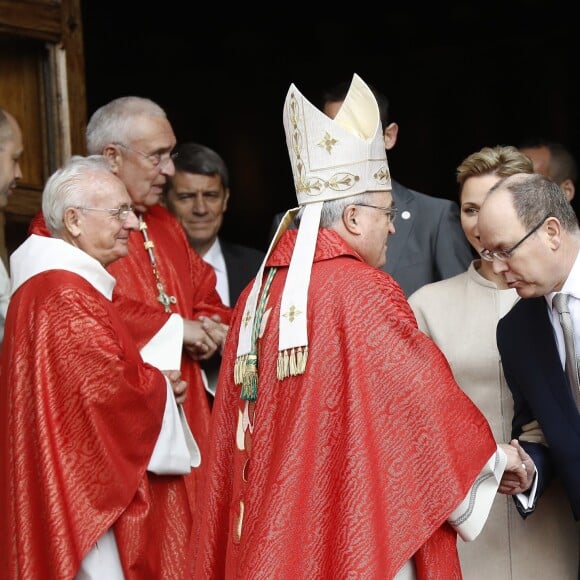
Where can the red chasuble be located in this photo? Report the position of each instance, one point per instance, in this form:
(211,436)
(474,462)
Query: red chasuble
(352,468)
(80,413)
(187,278)
(191,281)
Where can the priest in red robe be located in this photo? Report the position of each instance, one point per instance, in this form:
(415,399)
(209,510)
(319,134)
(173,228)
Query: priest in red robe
(94,450)
(340,446)
(162,275)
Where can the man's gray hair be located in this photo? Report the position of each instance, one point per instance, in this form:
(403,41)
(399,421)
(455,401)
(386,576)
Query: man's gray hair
(70,186)
(332,210)
(115,122)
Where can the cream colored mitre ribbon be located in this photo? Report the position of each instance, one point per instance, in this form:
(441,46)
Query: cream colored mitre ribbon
(249,316)
(293,340)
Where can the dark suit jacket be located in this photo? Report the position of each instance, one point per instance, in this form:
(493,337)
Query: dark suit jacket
(429,244)
(541,391)
(242,264)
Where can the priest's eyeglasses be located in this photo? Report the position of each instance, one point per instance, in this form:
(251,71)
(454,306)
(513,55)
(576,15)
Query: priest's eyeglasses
(121,213)
(505,255)
(390,212)
(156,159)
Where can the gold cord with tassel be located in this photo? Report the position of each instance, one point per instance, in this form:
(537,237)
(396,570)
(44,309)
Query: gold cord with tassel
(165,299)
(246,367)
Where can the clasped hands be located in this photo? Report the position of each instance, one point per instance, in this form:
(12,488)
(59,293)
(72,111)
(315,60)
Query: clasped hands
(204,336)
(519,472)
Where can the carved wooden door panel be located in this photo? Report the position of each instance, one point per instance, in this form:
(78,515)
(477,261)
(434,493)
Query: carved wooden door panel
(42,84)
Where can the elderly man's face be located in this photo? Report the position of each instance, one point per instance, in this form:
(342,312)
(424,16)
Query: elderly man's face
(104,235)
(534,267)
(376,224)
(145,164)
(10,153)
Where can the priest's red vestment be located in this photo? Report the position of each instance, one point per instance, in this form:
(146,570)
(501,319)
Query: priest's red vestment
(80,413)
(186,277)
(351,469)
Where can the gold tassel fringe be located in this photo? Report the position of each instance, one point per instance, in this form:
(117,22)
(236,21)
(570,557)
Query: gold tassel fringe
(239,369)
(292,363)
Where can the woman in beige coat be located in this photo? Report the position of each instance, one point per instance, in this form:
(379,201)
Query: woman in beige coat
(460,314)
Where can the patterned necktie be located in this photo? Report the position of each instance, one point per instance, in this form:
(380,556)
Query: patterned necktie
(561,303)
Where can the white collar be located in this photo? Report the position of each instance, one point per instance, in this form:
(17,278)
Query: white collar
(571,285)
(40,253)
(215,257)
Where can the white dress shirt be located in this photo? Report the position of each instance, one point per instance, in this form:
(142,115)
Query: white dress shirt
(215,258)
(4,296)
(572,288)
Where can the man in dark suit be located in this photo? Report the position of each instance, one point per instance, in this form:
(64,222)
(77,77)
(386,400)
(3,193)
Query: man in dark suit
(198,194)
(429,244)
(531,217)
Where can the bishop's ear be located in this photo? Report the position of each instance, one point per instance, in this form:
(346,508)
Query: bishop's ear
(71,221)
(113,154)
(351,219)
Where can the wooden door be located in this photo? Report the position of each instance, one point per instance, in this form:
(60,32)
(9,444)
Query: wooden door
(42,84)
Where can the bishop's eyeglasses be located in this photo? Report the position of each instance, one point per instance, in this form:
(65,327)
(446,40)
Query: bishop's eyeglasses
(505,255)
(390,212)
(156,159)
(121,213)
